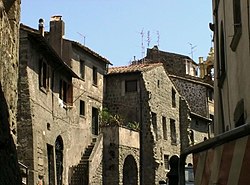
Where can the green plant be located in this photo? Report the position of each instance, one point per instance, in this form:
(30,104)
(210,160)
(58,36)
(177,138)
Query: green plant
(133,125)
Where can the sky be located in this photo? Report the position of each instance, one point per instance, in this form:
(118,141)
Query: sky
(120,30)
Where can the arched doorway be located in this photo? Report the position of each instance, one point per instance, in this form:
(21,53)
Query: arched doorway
(59,159)
(130,171)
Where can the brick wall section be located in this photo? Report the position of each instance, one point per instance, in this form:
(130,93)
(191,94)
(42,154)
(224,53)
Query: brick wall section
(9,29)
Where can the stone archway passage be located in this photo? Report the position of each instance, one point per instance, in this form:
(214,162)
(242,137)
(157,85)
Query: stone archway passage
(130,171)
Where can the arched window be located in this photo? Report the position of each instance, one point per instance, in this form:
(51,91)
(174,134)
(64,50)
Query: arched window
(59,159)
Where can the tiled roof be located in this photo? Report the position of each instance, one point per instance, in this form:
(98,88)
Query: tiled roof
(132,68)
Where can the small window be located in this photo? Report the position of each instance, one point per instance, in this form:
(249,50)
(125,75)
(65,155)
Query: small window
(166,162)
(82,108)
(237,24)
(82,69)
(95,125)
(94,76)
(164,128)
(173,132)
(154,123)
(44,72)
(158,83)
(66,92)
(173,98)
(210,95)
(131,85)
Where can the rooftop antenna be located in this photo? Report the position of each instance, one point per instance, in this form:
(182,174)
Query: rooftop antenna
(83,36)
(192,49)
(148,38)
(142,43)
(158,38)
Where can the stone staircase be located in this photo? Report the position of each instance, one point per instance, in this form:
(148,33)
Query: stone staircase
(80,174)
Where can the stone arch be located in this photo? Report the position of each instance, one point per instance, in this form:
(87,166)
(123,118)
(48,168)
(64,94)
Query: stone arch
(59,159)
(130,171)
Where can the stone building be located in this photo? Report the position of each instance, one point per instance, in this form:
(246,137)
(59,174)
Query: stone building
(198,92)
(232,46)
(9,47)
(145,95)
(60,93)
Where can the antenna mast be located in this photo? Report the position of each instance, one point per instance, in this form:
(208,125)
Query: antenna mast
(192,49)
(148,38)
(83,36)
(158,38)
(142,43)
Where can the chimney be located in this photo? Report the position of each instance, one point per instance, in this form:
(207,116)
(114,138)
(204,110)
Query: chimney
(56,33)
(41,27)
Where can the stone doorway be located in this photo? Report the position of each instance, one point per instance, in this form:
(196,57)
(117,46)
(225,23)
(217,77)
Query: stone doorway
(130,171)
(59,159)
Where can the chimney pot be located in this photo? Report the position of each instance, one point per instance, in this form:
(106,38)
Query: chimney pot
(41,26)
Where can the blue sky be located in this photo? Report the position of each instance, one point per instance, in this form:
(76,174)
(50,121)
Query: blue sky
(113,28)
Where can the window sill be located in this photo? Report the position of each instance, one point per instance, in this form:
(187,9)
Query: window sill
(236,38)
(83,116)
(45,91)
(95,85)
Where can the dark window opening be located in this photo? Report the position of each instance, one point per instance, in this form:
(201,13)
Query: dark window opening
(44,72)
(95,125)
(51,167)
(154,123)
(95,76)
(82,69)
(173,98)
(210,95)
(158,83)
(164,128)
(173,132)
(66,92)
(222,61)
(131,85)
(82,108)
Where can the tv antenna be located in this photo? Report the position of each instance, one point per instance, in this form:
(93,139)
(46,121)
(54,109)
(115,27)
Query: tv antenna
(158,38)
(83,36)
(148,38)
(142,43)
(192,49)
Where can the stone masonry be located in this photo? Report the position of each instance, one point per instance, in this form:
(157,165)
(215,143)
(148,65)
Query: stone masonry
(9,47)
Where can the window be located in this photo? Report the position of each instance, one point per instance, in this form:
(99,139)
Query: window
(237,24)
(164,128)
(210,95)
(154,123)
(173,132)
(82,69)
(166,162)
(158,83)
(95,76)
(51,165)
(173,98)
(130,85)
(82,108)
(66,92)
(44,74)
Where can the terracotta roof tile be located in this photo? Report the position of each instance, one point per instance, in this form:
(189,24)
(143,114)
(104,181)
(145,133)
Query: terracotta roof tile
(132,68)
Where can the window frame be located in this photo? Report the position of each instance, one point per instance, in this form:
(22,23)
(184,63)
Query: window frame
(66,92)
(82,108)
(44,75)
(131,86)
(173,98)
(173,132)
(94,76)
(82,69)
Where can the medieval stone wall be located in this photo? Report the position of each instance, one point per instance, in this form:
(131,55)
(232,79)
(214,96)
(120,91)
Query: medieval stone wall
(9,47)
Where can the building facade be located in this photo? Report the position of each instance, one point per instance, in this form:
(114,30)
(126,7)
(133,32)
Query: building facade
(231,39)
(198,92)
(60,94)
(145,95)
(9,47)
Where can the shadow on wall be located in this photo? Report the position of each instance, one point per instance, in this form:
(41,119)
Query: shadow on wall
(9,169)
